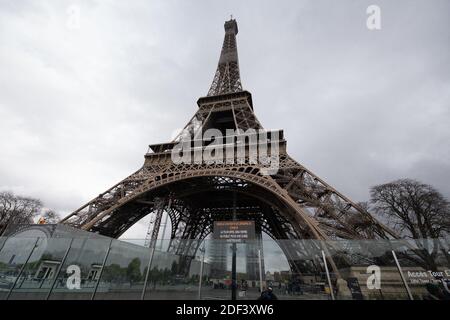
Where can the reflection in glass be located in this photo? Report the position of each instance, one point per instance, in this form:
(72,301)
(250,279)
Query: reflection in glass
(39,272)
(84,261)
(15,254)
(365,269)
(124,272)
(426,267)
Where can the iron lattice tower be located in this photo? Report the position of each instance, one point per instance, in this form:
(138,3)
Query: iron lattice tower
(292,203)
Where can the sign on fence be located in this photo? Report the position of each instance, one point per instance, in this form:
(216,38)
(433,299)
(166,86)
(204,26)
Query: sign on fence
(234,231)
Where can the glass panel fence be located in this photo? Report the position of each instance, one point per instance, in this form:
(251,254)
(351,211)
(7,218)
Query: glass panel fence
(174,270)
(250,269)
(364,270)
(104,268)
(43,265)
(425,264)
(294,269)
(79,276)
(124,272)
(218,270)
(15,254)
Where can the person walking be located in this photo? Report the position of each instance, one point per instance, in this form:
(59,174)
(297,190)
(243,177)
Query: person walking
(268,295)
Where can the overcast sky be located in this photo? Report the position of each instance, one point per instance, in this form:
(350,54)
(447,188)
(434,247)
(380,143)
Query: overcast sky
(79,104)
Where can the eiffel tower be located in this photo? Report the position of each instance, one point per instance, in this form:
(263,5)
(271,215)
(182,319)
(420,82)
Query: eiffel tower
(289,203)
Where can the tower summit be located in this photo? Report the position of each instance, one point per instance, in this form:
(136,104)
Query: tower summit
(227,78)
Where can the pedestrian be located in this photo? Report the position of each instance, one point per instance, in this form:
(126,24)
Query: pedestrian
(268,295)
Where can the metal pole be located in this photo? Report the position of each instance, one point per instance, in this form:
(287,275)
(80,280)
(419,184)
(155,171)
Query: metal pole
(22,269)
(164,231)
(233,261)
(59,269)
(328,275)
(233,272)
(169,206)
(260,271)
(201,273)
(401,275)
(101,270)
(150,260)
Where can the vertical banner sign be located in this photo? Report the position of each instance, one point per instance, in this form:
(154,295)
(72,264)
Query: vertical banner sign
(234,231)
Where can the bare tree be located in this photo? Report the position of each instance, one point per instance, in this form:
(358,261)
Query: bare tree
(17,209)
(416,211)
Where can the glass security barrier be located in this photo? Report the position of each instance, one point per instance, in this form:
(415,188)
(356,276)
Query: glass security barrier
(123,274)
(102,268)
(43,265)
(425,266)
(295,270)
(364,270)
(175,270)
(14,256)
(82,268)
(218,280)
